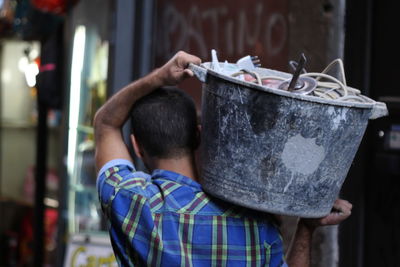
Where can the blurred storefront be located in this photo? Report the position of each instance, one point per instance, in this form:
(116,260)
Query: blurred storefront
(20,58)
(87,33)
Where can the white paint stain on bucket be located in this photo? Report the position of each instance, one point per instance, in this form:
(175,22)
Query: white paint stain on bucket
(302,155)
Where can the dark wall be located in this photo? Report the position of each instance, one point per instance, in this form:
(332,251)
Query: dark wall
(382,216)
(385,52)
(371,237)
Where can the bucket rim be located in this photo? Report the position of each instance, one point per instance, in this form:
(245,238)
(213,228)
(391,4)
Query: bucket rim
(308,98)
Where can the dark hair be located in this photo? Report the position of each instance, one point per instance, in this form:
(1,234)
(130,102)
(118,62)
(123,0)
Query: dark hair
(164,123)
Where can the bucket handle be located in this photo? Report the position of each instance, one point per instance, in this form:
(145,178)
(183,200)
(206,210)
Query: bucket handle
(199,71)
(378,110)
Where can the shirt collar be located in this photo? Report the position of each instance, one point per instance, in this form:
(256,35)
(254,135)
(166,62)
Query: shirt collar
(176,177)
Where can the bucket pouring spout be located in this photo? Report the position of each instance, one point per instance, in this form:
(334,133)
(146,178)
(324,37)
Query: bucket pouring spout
(378,110)
(199,71)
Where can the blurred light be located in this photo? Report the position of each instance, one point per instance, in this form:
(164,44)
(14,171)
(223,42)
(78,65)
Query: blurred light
(30,74)
(29,69)
(78,55)
(34,53)
(51,202)
(6,75)
(23,63)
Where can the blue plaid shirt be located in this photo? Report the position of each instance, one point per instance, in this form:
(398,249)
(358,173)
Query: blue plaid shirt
(167,220)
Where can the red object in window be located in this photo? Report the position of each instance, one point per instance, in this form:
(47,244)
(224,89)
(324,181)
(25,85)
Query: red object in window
(53,6)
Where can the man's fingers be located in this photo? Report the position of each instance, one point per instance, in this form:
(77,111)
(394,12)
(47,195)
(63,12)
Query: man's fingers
(193,59)
(184,59)
(175,70)
(341,210)
(188,73)
(334,218)
(342,206)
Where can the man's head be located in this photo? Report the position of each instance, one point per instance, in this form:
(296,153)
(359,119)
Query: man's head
(164,124)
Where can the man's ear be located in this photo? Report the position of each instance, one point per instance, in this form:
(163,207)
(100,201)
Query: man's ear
(136,147)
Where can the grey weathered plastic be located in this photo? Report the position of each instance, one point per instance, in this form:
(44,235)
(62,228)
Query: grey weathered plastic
(276,151)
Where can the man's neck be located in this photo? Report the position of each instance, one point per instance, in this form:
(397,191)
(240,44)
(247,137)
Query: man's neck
(184,165)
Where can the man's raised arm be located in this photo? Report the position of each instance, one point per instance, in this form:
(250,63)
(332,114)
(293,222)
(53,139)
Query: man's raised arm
(112,115)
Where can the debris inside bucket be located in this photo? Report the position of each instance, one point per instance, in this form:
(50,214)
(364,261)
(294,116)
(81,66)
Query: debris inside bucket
(317,84)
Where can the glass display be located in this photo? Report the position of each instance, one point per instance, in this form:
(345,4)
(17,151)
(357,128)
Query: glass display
(88,87)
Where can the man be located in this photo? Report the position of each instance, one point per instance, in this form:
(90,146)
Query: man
(165,219)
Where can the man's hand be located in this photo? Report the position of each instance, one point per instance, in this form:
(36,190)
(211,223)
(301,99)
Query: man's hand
(341,210)
(175,70)
(300,250)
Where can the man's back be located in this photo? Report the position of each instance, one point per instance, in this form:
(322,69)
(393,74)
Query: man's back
(167,220)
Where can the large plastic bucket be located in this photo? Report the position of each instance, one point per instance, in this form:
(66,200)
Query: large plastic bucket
(275,151)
